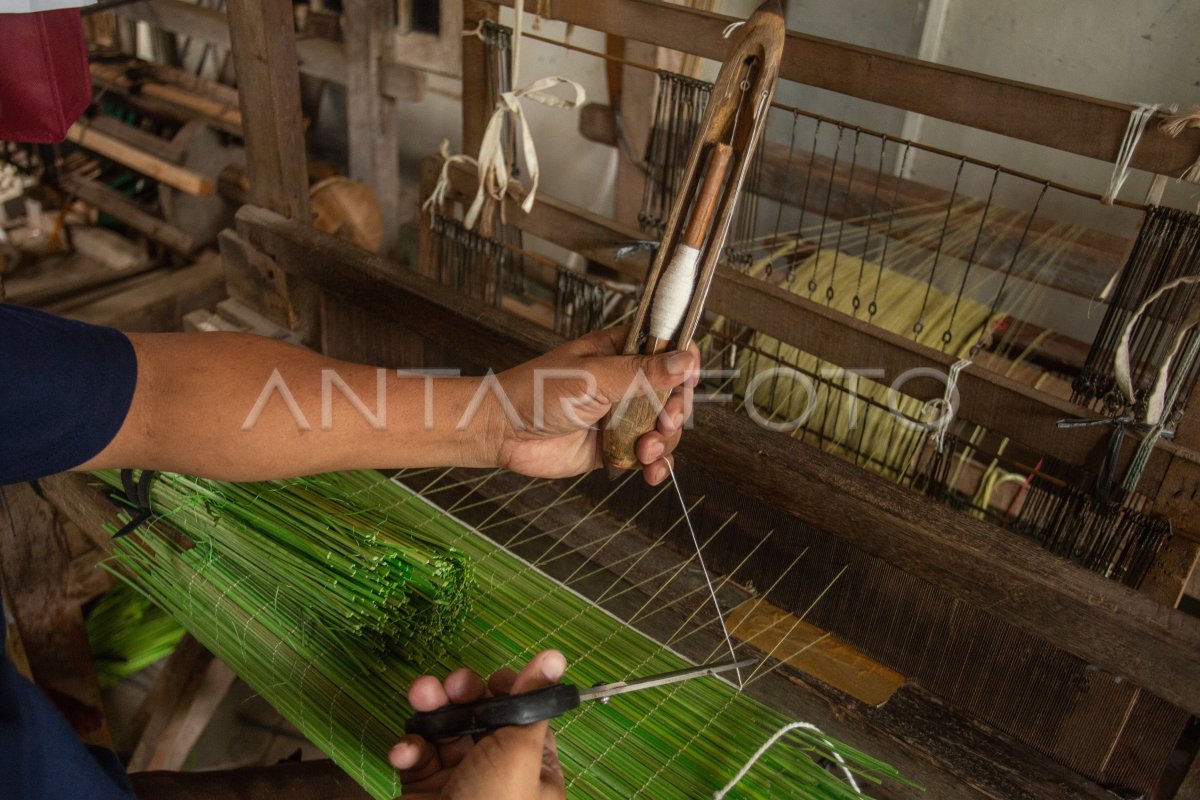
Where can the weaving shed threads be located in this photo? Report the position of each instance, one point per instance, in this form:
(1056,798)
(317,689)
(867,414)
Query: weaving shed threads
(345,693)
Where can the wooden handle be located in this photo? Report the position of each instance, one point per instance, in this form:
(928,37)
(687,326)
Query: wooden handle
(622,430)
(710,193)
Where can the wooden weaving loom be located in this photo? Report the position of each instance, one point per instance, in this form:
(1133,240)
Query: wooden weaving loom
(1028,676)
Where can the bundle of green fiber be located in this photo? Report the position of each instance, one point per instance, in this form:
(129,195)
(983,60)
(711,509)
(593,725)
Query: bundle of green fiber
(127,633)
(342,575)
(347,695)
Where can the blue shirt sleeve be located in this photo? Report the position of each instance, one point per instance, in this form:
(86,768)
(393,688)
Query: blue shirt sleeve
(65,388)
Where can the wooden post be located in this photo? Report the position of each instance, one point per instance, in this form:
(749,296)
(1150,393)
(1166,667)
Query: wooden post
(264,53)
(371,115)
(475,108)
(263,40)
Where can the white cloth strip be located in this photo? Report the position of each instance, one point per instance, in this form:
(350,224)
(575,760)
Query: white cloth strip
(1121,368)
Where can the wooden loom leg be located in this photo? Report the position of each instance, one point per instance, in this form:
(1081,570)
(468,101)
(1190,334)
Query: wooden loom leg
(264,52)
(372,124)
(177,708)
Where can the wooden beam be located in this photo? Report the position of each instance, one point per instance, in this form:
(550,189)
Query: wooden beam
(1065,121)
(185,180)
(998,403)
(110,201)
(193,101)
(475,107)
(1083,613)
(264,53)
(319,58)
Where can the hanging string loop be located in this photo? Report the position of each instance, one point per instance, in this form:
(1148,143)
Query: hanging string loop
(1138,118)
(779,734)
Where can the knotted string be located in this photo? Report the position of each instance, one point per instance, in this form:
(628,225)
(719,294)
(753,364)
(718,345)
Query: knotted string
(946,404)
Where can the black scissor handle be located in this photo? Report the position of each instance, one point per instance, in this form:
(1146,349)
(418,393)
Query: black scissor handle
(450,722)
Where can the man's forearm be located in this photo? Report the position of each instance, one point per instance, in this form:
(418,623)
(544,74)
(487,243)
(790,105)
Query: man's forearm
(241,407)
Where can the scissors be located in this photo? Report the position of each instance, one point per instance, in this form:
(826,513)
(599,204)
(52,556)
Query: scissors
(465,719)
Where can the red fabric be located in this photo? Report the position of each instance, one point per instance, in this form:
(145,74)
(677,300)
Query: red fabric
(44,80)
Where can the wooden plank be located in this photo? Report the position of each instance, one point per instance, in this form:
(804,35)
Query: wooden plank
(112,202)
(1083,613)
(806,647)
(1065,121)
(34,565)
(1174,569)
(159,302)
(264,53)
(178,721)
(994,401)
(373,284)
(185,180)
(156,146)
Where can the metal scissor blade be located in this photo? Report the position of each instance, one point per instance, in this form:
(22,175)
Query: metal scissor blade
(607,690)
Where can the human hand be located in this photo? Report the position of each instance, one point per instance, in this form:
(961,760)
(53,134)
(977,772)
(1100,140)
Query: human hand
(550,427)
(513,763)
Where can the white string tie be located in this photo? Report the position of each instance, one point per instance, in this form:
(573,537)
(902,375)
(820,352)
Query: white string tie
(1175,125)
(437,198)
(946,405)
(1156,406)
(731,27)
(1138,118)
(494,170)
(699,557)
(779,734)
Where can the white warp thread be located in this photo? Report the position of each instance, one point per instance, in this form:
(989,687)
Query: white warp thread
(1138,118)
(494,169)
(731,27)
(779,734)
(1156,401)
(674,293)
(699,557)
(947,407)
